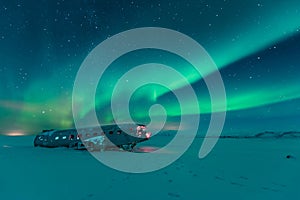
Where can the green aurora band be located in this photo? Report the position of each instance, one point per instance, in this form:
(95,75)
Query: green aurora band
(254,32)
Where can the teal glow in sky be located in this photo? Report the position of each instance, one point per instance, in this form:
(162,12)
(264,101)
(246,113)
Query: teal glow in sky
(255,45)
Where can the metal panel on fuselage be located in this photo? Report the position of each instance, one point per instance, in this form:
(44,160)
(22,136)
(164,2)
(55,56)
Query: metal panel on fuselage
(63,137)
(117,136)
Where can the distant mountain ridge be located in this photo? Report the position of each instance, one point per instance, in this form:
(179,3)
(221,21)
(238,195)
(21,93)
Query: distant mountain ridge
(269,134)
(265,134)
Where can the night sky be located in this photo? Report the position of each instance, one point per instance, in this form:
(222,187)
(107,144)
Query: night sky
(254,43)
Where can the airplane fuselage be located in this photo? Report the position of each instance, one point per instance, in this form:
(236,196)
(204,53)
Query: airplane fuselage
(124,136)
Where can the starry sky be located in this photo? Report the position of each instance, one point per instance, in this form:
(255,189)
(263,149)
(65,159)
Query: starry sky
(255,44)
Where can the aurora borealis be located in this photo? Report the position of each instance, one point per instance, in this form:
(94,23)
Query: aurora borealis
(255,45)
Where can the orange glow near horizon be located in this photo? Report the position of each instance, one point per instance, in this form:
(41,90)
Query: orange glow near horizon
(15,134)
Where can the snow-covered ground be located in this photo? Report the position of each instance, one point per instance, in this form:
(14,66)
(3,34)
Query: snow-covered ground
(256,168)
